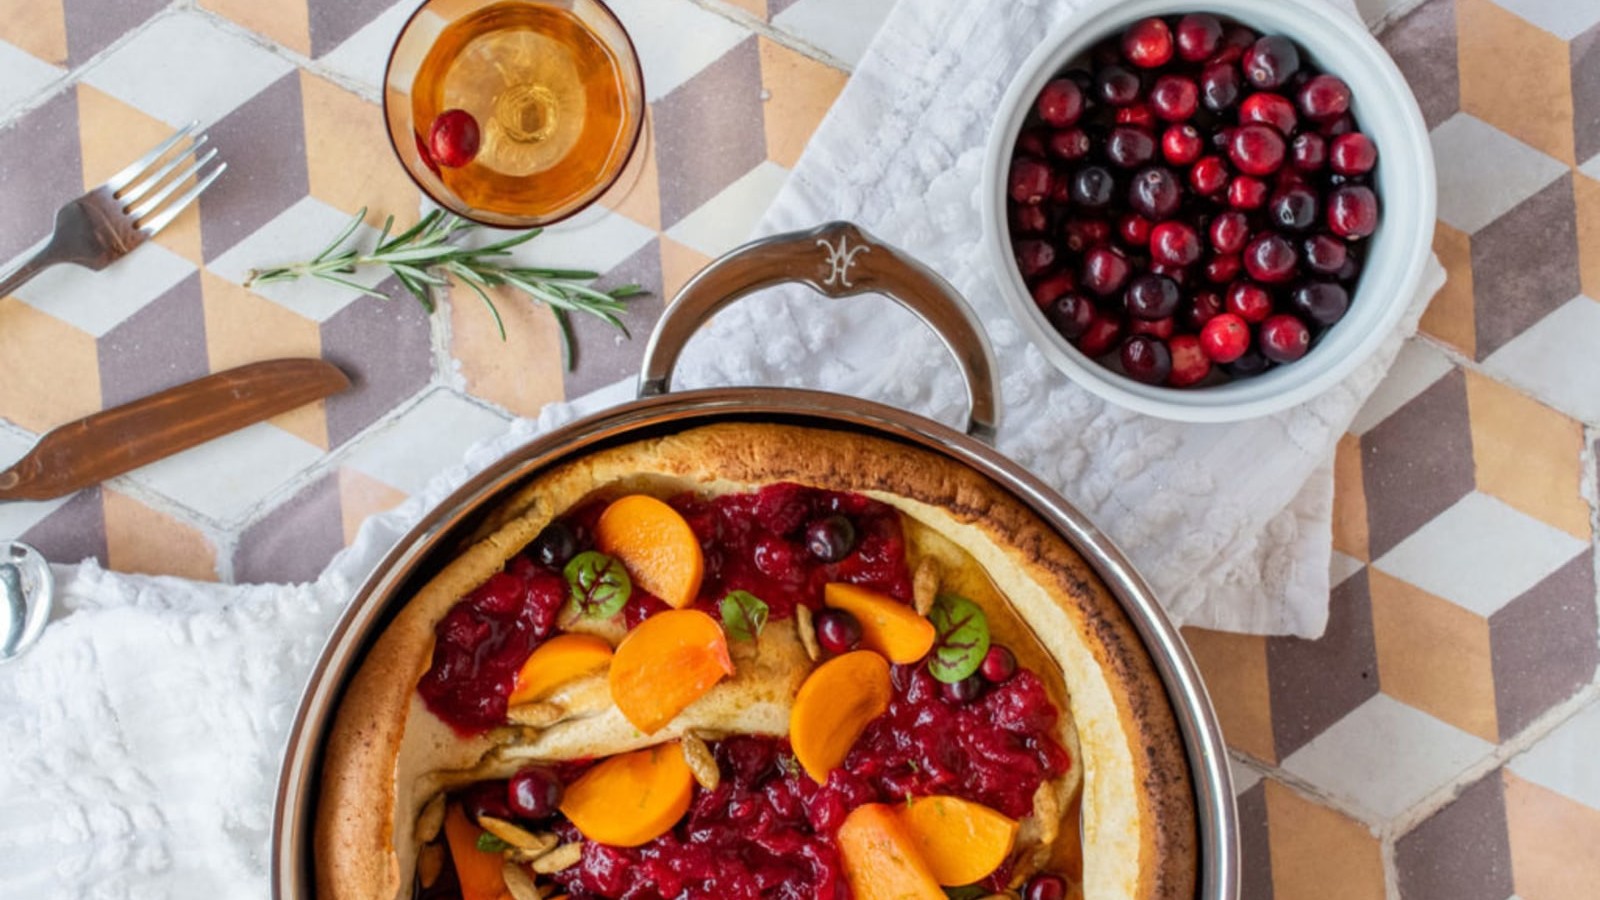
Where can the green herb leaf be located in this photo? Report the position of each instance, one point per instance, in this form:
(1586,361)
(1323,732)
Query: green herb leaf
(744,615)
(965,892)
(963,638)
(788,764)
(488,843)
(600,586)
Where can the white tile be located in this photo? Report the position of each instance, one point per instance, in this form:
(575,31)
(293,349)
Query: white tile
(25,75)
(225,477)
(299,233)
(16,518)
(431,437)
(1566,19)
(841,28)
(1485,172)
(1564,761)
(1244,777)
(596,239)
(1384,757)
(97,302)
(675,39)
(1341,567)
(183,67)
(1592,167)
(726,220)
(1480,554)
(1418,365)
(1555,360)
(362,57)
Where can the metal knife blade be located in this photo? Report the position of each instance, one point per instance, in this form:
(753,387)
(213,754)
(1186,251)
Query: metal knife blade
(118,440)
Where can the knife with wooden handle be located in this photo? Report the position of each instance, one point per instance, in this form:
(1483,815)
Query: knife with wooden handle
(109,443)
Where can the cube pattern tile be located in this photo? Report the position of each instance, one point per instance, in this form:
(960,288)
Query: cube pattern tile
(1436,742)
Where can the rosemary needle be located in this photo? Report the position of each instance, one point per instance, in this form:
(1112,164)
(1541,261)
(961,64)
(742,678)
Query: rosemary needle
(425,256)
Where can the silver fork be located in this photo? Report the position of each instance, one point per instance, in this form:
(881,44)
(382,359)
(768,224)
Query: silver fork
(103,225)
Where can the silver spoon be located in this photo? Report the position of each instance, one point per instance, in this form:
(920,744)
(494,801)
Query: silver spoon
(27,590)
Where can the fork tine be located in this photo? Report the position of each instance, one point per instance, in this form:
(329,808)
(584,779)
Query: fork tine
(145,184)
(159,222)
(149,206)
(121,179)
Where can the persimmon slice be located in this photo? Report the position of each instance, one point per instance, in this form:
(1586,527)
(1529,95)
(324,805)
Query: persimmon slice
(881,860)
(834,706)
(961,841)
(656,545)
(556,662)
(477,870)
(665,664)
(631,799)
(887,625)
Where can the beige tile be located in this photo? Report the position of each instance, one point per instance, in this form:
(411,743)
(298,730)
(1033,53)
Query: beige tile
(757,8)
(1515,76)
(362,496)
(799,91)
(1433,655)
(1586,193)
(51,370)
(521,373)
(1319,854)
(40,29)
(1528,455)
(678,264)
(1554,842)
(145,541)
(349,162)
(286,21)
(1349,500)
(112,134)
(1234,667)
(1450,315)
(244,327)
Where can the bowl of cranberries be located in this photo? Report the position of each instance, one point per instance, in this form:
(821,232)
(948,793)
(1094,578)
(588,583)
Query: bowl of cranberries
(1209,214)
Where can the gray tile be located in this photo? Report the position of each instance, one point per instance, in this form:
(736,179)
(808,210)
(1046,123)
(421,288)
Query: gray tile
(295,541)
(1543,645)
(1423,45)
(1417,463)
(1255,848)
(160,346)
(264,142)
(1461,852)
(603,354)
(1585,59)
(386,349)
(709,131)
(1314,684)
(1525,265)
(92,25)
(41,167)
(73,533)
(334,21)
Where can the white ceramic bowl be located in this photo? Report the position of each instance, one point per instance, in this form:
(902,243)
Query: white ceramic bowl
(1397,253)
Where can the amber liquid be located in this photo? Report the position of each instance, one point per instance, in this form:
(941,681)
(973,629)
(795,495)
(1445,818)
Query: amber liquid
(549,99)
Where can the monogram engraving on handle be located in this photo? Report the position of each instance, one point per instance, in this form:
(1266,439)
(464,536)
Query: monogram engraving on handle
(841,259)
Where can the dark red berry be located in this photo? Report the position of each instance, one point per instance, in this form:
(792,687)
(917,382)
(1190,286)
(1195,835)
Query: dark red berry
(426,155)
(1294,208)
(1324,253)
(1269,62)
(1219,86)
(1034,257)
(1324,97)
(1250,364)
(1030,181)
(1205,306)
(1146,359)
(1080,233)
(534,794)
(837,630)
(1134,230)
(1045,887)
(1245,192)
(1336,126)
(1031,143)
(1308,152)
(1235,40)
(1353,211)
(1117,86)
(1060,103)
(1182,144)
(1128,147)
(1284,338)
(487,798)
(962,692)
(1071,314)
(1174,98)
(1190,365)
(1352,154)
(1092,186)
(453,139)
(1156,328)
(1268,109)
(1147,43)
(1249,301)
(1101,335)
(1208,176)
(1229,231)
(1256,149)
(1151,296)
(1270,259)
(1223,269)
(1322,302)
(831,539)
(998,665)
(1199,35)
(1029,219)
(1049,289)
(1154,193)
(555,546)
(1138,114)
(1225,338)
(1071,144)
(1174,244)
(1104,271)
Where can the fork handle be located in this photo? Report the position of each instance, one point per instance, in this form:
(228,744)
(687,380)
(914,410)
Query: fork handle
(43,257)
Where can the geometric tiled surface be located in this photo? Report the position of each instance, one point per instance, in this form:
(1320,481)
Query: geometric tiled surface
(1437,742)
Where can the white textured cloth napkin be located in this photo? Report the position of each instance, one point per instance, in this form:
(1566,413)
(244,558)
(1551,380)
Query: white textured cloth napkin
(142,735)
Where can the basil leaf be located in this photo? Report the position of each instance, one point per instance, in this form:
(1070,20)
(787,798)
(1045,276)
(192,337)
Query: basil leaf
(488,843)
(963,640)
(600,586)
(744,615)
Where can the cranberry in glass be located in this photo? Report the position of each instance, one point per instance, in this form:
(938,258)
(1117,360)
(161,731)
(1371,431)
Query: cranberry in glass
(1117,86)
(1284,338)
(1182,144)
(1092,186)
(1293,208)
(1071,315)
(837,631)
(1105,270)
(1219,86)
(1223,269)
(1352,154)
(1352,211)
(1154,193)
(1081,233)
(425,154)
(1147,43)
(1060,103)
(1129,147)
(1151,296)
(1249,301)
(1323,302)
(1270,258)
(1146,359)
(1308,152)
(1073,143)
(1205,306)
(1199,35)
(1029,219)
(831,539)
(998,665)
(555,545)
(1045,887)
(1324,97)
(1208,176)
(1225,338)
(1324,253)
(1257,149)
(1229,231)
(1101,335)
(1034,257)
(1030,181)
(453,138)
(1174,244)
(1049,289)
(1134,230)
(1245,192)
(1156,328)
(1174,98)
(1270,61)
(534,794)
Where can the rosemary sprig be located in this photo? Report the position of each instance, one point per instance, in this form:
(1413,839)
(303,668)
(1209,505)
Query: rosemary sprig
(425,256)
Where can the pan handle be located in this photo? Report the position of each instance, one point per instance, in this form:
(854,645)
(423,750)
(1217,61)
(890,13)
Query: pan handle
(837,260)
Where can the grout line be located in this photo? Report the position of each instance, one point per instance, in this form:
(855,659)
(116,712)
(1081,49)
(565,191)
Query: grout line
(746,19)
(1456,358)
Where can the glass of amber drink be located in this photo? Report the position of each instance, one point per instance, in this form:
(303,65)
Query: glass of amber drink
(514,113)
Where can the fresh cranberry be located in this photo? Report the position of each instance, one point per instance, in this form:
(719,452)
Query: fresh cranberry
(1154,193)
(1308,152)
(454,138)
(1061,189)
(1146,359)
(1205,306)
(1249,301)
(1208,176)
(998,665)
(486,798)
(1236,39)
(1338,125)
(1050,289)
(1324,253)
(1147,43)
(1245,192)
(534,794)
(1117,86)
(1352,211)
(1174,244)
(1324,97)
(1179,274)
(1134,230)
(831,539)
(1030,181)
(1349,270)
(837,631)
(555,546)
(1030,143)
(1060,103)
(1199,35)
(1151,296)
(1101,335)
(1070,144)
(1160,329)
(1270,61)
(1034,257)
(426,155)
(1137,114)
(1045,887)
(1294,208)
(1223,269)
(1080,233)
(1256,149)
(1352,154)
(1271,259)
(1229,231)
(967,690)
(1323,302)
(1268,109)
(1092,186)
(1029,219)
(1252,363)
(1105,270)
(1219,86)
(1284,338)
(1129,147)
(1174,97)
(1071,315)
(1182,144)
(1190,365)
(1225,338)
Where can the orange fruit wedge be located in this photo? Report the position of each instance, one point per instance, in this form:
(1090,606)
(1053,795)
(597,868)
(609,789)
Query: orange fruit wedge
(631,799)
(887,625)
(655,544)
(556,662)
(961,841)
(881,860)
(832,708)
(667,663)
(477,870)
